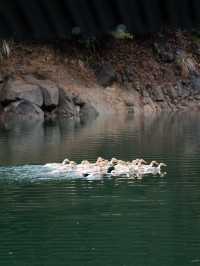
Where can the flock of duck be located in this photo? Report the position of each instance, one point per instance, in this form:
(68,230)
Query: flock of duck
(111,168)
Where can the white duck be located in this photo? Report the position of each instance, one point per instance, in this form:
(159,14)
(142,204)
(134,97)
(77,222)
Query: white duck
(153,168)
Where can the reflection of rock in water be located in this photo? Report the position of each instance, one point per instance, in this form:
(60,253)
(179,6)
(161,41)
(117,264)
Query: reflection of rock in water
(147,137)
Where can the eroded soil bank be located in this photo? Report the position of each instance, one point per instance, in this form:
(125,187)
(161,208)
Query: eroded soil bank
(83,79)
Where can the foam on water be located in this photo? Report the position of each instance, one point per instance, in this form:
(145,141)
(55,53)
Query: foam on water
(47,172)
(29,172)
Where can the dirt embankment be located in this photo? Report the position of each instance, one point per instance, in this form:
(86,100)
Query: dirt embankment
(144,74)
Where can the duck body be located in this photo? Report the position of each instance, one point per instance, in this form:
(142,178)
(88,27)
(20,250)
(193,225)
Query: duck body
(120,170)
(105,168)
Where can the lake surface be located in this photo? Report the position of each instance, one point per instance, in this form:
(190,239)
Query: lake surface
(57,221)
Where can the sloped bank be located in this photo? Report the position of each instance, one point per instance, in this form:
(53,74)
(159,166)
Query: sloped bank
(73,81)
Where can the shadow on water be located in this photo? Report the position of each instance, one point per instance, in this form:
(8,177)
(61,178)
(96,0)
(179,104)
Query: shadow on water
(113,222)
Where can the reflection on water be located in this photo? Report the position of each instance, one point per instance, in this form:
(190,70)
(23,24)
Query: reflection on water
(114,222)
(148,137)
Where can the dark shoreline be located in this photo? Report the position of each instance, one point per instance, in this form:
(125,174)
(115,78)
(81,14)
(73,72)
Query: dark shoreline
(80,80)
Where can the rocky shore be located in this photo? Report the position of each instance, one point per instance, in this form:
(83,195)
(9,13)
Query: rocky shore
(149,75)
(29,98)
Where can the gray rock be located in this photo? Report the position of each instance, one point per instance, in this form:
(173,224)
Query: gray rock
(51,116)
(146,91)
(49,89)
(179,89)
(88,112)
(66,104)
(77,100)
(157,94)
(15,90)
(186,92)
(197,97)
(23,110)
(172,92)
(129,102)
(50,93)
(71,106)
(106,75)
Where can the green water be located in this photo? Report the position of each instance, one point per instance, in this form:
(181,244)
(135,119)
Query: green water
(109,222)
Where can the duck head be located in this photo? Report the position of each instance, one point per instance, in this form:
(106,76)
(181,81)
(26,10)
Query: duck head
(135,162)
(162,165)
(99,160)
(66,161)
(154,164)
(114,161)
(142,161)
(72,163)
(85,162)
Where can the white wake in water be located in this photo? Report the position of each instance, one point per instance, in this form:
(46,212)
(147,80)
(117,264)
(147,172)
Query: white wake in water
(100,169)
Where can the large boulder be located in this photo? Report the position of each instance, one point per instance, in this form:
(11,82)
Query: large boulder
(88,112)
(23,111)
(17,89)
(72,106)
(49,90)
(50,93)
(66,108)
